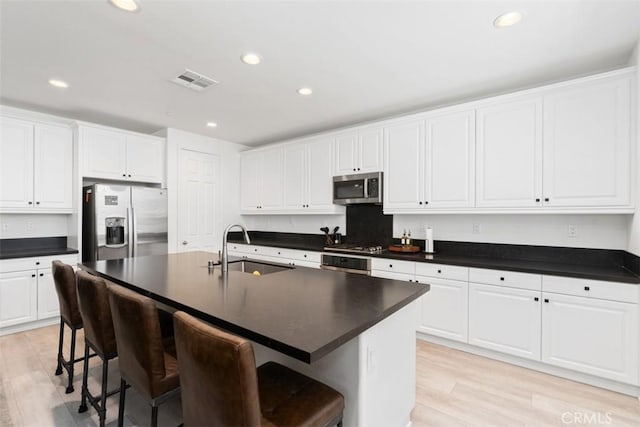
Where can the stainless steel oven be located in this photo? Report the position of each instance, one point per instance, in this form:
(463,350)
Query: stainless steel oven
(347,263)
(358,188)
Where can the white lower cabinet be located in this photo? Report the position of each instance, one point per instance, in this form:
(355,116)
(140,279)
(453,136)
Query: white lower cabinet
(591,326)
(445,309)
(293,257)
(18,297)
(27,289)
(505,319)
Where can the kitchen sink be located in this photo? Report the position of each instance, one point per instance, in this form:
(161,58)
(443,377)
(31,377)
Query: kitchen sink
(256,268)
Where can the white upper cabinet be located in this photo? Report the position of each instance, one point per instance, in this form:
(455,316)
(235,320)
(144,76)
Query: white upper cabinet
(145,158)
(53,167)
(449,168)
(587,145)
(37,167)
(509,154)
(118,155)
(429,163)
(262,181)
(291,179)
(403,148)
(359,151)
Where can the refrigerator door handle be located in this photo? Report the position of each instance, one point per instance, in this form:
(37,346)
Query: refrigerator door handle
(130,232)
(134,233)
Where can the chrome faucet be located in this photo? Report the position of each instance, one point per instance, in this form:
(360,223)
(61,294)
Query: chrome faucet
(225,256)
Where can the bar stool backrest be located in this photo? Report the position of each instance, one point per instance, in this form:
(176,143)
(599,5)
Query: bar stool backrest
(139,341)
(93,301)
(65,281)
(217,375)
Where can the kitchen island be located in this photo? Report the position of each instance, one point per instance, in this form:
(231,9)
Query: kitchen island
(353,332)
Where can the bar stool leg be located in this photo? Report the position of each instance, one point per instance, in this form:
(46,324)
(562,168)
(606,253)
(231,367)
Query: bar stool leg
(154,416)
(123,390)
(84,391)
(72,361)
(60,339)
(102,412)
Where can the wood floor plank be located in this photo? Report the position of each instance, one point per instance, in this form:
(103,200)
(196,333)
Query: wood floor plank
(453,388)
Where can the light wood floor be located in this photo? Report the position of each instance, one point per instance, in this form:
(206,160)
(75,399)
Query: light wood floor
(453,389)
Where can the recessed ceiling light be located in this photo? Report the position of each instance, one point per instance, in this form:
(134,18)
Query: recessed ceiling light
(128,5)
(212,124)
(251,58)
(58,83)
(507,19)
(305,91)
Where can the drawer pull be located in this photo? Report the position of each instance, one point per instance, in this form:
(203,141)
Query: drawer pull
(536,299)
(439,271)
(417,281)
(502,278)
(586,288)
(37,262)
(546,300)
(305,255)
(390,265)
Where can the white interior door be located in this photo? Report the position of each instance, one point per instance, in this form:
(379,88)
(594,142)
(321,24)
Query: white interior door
(198,209)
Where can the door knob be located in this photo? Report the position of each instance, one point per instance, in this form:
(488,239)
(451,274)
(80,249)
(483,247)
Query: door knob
(184,242)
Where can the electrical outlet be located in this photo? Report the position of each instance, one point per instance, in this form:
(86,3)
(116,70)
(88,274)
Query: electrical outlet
(572,231)
(29,225)
(476,229)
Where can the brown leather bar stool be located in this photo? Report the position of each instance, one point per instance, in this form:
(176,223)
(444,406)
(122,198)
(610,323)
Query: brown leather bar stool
(65,281)
(221,385)
(93,302)
(147,361)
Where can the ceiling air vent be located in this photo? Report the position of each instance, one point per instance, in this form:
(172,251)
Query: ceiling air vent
(193,80)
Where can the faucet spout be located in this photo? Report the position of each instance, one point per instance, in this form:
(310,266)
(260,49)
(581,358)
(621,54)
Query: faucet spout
(225,257)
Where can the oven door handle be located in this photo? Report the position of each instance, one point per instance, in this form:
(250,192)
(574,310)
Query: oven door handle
(345,270)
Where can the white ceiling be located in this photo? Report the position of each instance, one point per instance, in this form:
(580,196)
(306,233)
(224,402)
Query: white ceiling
(364,59)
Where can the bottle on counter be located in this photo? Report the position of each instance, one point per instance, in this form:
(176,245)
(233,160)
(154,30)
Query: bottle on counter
(409,238)
(403,240)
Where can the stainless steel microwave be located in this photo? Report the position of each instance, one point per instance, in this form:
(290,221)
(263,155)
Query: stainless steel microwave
(358,188)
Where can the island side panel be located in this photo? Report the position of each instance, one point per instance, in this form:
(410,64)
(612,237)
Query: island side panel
(376,371)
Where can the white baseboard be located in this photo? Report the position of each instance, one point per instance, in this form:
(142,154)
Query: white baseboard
(30,325)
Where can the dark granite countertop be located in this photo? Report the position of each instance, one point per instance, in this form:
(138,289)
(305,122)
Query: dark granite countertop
(594,272)
(304,313)
(594,264)
(33,247)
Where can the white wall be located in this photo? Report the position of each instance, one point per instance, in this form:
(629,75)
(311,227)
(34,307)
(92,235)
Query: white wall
(229,199)
(17,226)
(592,231)
(634,227)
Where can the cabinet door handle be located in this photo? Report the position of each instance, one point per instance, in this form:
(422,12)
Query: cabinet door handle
(33,275)
(37,203)
(546,300)
(279,253)
(305,255)
(354,169)
(417,281)
(537,200)
(184,242)
(358,168)
(586,288)
(426,203)
(536,299)
(124,174)
(546,199)
(255,250)
(129,175)
(30,203)
(502,278)
(41,274)
(420,202)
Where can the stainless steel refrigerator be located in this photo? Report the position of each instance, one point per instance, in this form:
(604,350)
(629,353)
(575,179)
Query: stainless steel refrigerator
(120,221)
